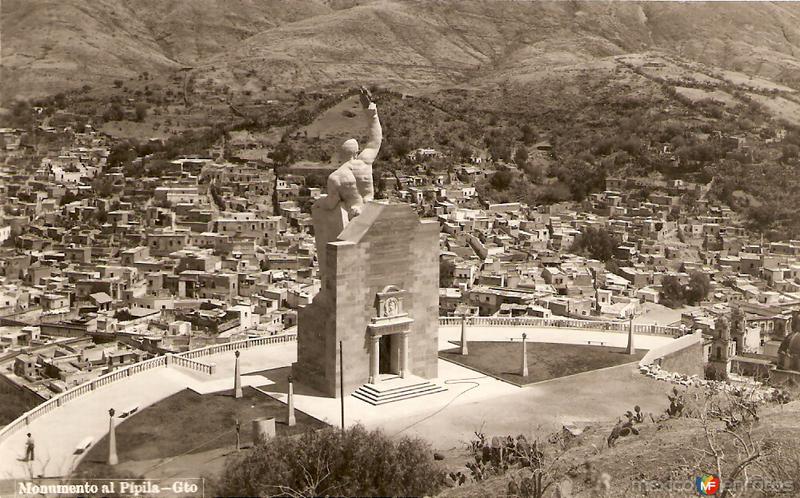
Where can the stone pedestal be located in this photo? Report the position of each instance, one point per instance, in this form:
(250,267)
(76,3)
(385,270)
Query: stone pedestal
(328,224)
(379,296)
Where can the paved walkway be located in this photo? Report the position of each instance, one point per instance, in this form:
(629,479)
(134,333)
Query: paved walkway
(58,432)
(449,417)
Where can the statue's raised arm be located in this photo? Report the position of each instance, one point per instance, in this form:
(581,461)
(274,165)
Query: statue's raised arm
(373,145)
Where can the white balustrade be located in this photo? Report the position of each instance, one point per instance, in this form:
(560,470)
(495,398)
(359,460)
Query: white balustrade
(566,323)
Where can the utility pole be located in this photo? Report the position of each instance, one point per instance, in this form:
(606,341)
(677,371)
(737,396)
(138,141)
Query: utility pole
(238,426)
(341,379)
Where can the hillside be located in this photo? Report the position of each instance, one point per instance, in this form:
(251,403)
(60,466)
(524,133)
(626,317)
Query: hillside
(415,44)
(671,450)
(51,45)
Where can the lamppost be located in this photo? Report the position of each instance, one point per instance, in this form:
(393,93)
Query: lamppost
(524,371)
(237,378)
(291,421)
(112,439)
(464,350)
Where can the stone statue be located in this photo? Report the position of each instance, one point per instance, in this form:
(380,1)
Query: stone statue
(350,186)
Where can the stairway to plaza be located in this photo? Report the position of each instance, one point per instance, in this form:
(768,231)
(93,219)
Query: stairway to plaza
(394,388)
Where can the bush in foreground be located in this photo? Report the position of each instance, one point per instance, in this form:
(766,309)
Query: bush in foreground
(355,462)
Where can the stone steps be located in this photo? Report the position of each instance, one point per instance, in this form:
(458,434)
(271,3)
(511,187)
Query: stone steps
(396,390)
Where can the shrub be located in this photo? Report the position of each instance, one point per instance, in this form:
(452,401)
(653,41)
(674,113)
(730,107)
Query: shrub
(501,179)
(354,462)
(598,243)
(698,288)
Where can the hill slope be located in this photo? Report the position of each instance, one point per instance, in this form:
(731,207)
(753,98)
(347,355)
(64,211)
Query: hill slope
(664,454)
(52,45)
(417,43)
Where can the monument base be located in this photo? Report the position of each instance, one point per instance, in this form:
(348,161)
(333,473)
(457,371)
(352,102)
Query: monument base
(377,310)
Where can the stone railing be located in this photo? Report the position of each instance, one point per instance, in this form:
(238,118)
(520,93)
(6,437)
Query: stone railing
(181,361)
(568,323)
(233,346)
(185,359)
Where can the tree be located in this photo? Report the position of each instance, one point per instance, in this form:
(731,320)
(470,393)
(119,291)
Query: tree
(121,153)
(103,186)
(790,151)
(101,215)
(331,462)
(141,111)
(762,216)
(401,147)
(501,179)
(528,135)
(672,292)
(283,154)
(68,197)
(499,150)
(698,288)
(733,447)
(446,269)
(114,113)
(22,113)
(316,180)
(598,243)
(521,156)
(380,187)
(555,192)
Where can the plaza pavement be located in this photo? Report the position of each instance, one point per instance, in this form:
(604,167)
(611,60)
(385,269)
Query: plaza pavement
(447,419)
(474,400)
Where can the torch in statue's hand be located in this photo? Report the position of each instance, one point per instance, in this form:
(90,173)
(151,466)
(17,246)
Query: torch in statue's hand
(365,97)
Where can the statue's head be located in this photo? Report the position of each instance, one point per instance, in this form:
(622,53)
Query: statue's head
(348,150)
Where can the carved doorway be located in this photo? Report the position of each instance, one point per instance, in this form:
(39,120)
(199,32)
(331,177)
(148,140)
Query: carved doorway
(385,352)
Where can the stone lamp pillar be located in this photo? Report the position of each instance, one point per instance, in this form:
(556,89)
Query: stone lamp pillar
(464,350)
(524,371)
(237,378)
(291,421)
(631,349)
(112,439)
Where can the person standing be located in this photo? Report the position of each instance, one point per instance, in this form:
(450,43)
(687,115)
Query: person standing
(29,445)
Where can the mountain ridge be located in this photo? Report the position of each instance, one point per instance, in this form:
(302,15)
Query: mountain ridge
(414,44)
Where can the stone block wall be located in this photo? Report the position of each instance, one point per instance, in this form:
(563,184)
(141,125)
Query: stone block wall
(387,245)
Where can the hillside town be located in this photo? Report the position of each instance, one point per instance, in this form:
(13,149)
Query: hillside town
(399,248)
(101,269)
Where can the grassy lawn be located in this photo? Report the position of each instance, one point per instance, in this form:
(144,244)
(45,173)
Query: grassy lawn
(13,404)
(188,422)
(545,360)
